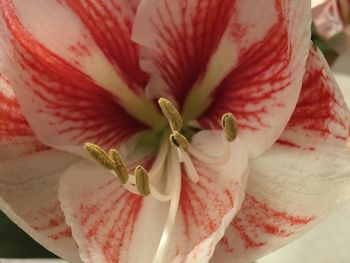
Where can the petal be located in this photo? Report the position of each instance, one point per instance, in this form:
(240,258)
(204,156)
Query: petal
(302,178)
(112,225)
(93,36)
(207,207)
(187,44)
(29,174)
(64,83)
(263,88)
(16,137)
(102,214)
(110,24)
(180,38)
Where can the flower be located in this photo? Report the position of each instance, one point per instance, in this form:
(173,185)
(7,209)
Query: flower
(332,23)
(83,73)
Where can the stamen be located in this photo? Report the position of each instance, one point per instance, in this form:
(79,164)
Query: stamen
(120,167)
(142,181)
(171,114)
(100,155)
(178,140)
(229,125)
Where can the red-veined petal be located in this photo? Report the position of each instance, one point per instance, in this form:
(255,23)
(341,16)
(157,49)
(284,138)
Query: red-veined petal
(110,24)
(244,61)
(113,225)
(29,175)
(180,37)
(62,80)
(302,178)
(263,88)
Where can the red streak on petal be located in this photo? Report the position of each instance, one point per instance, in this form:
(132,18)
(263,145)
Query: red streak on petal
(74,105)
(256,81)
(321,112)
(225,243)
(248,241)
(123,232)
(12,122)
(294,145)
(49,220)
(317,107)
(202,216)
(110,24)
(14,128)
(257,222)
(67,233)
(287,143)
(96,218)
(184,48)
(80,49)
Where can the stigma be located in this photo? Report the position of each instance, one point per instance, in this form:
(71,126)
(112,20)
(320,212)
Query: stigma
(163,180)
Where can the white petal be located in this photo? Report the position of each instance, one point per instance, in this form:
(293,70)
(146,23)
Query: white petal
(72,81)
(28,196)
(29,174)
(303,178)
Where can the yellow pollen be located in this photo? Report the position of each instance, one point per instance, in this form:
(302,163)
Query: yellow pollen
(100,155)
(120,167)
(230,127)
(142,181)
(171,114)
(178,140)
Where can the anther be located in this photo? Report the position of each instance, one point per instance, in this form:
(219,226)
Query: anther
(120,167)
(178,140)
(230,127)
(142,181)
(171,114)
(100,155)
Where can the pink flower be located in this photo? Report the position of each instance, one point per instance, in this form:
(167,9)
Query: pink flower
(77,72)
(332,22)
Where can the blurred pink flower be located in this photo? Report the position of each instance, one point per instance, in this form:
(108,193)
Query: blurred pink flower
(332,22)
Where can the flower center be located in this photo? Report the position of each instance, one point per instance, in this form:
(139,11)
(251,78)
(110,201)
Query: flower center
(163,180)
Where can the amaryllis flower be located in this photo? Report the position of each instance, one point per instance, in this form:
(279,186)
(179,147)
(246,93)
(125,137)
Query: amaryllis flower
(332,23)
(119,128)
